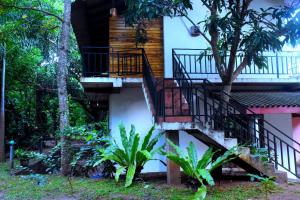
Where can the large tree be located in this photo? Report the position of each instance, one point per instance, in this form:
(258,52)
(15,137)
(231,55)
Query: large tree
(230,27)
(31,21)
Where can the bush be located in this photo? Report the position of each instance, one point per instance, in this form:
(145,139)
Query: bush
(131,156)
(199,169)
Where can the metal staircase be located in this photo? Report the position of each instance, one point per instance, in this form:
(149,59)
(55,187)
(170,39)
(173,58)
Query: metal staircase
(195,101)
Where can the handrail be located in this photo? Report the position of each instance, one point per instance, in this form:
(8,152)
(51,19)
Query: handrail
(103,61)
(269,138)
(281,64)
(192,49)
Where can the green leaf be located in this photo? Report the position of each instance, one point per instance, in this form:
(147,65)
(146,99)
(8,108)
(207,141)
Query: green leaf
(142,157)
(201,193)
(134,148)
(147,138)
(124,138)
(192,152)
(184,164)
(130,175)
(119,172)
(204,173)
(131,135)
(176,148)
(226,157)
(154,141)
(206,159)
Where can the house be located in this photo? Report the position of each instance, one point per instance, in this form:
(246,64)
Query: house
(165,82)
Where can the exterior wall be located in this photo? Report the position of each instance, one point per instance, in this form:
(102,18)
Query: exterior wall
(129,107)
(121,37)
(176,35)
(296,135)
(284,123)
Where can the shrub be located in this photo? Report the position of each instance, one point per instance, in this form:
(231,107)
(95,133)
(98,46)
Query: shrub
(131,156)
(199,170)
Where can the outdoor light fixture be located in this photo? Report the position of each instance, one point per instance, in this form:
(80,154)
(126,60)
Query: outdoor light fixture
(113,10)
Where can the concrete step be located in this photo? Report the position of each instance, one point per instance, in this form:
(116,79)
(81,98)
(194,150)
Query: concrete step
(230,142)
(244,153)
(218,136)
(281,177)
(177,119)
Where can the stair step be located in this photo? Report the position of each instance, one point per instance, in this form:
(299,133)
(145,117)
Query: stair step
(281,177)
(179,119)
(230,143)
(244,152)
(218,136)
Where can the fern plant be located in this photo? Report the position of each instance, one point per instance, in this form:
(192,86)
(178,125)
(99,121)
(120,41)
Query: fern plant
(199,169)
(131,156)
(267,183)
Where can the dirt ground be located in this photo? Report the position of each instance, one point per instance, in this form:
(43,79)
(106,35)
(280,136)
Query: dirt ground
(290,192)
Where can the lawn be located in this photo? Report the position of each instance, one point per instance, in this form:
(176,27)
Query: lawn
(59,188)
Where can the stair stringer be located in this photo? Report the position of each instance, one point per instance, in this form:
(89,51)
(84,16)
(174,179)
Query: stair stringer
(244,160)
(148,100)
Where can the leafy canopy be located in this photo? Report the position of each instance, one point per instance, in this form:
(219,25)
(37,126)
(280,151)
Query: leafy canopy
(230,26)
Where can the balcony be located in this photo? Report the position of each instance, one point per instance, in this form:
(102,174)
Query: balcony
(110,69)
(108,62)
(283,67)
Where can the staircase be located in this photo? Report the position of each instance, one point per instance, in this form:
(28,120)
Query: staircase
(204,114)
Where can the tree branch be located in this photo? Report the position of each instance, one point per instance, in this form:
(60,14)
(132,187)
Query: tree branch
(240,17)
(239,69)
(213,31)
(194,24)
(34,9)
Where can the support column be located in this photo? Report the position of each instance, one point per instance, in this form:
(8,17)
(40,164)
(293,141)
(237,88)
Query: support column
(173,170)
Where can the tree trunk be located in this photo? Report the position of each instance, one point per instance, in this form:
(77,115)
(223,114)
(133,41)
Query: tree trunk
(62,73)
(2,112)
(226,90)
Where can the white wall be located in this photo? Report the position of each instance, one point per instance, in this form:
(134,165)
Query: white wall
(176,30)
(129,107)
(284,123)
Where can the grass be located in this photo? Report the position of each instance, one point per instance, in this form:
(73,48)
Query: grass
(52,187)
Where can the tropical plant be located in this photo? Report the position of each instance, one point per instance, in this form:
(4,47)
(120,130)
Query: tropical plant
(267,183)
(199,169)
(23,155)
(131,156)
(91,139)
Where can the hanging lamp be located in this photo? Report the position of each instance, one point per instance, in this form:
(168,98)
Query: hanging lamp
(113,10)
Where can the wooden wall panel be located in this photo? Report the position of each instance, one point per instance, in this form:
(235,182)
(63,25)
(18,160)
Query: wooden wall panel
(121,37)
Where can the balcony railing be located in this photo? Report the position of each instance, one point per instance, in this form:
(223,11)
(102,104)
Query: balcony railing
(279,65)
(106,61)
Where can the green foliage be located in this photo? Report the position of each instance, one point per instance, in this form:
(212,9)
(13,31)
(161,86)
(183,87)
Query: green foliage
(199,169)
(262,153)
(92,137)
(132,155)
(267,183)
(229,26)
(31,40)
(57,187)
(23,155)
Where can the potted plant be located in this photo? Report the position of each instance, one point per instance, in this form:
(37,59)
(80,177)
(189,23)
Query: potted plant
(23,156)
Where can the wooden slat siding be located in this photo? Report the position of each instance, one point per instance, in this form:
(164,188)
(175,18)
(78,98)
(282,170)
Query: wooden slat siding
(122,37)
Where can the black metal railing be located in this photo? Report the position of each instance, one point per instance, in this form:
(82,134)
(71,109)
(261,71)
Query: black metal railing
(279,65)
(106,61)
(179,96)
(236,120)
